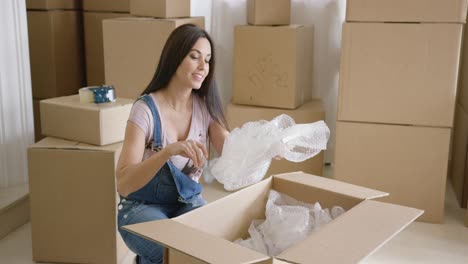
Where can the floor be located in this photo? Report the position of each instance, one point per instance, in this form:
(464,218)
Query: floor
(419,243)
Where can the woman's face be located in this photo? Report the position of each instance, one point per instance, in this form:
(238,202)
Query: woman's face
(196,65)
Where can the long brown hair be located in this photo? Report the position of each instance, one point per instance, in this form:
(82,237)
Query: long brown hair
(177,47)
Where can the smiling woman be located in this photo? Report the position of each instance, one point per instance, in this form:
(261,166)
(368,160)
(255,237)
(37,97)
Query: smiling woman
(167,137)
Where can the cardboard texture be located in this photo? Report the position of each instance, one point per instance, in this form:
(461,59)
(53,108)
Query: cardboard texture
(53,4)
(466,219)
(73,202)
(382,80)
(440,11)
(56,53)
(37,121)
(132,47)
(107,5)
(160,8)
(14,215)
(94,45)
(458,172)
(373,222)
(408,162)
(309,112)
(463,81)
(272,65)
(267,12)
(97,124)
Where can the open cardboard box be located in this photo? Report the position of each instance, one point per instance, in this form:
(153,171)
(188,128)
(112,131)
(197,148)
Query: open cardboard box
(206,234)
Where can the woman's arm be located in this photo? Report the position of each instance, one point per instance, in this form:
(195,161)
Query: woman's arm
(217,135)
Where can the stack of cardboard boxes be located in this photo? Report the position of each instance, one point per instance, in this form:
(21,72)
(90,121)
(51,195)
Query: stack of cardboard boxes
(132,46)
(72,181)
(273,74)
(398,83)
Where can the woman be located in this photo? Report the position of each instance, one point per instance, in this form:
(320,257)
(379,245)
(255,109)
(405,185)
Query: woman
(167,137)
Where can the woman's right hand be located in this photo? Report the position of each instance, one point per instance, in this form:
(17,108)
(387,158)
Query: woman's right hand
(191,149)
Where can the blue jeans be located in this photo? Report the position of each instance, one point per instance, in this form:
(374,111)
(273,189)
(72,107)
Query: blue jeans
(133,212)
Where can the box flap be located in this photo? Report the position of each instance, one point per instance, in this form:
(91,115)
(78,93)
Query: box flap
(354,235)
(331,185)
(73,101)
(58,143)
(194,242)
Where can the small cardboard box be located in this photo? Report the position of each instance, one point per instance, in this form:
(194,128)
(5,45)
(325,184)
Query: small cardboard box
(94,45)
(440,11)
(407,161)
(74,202)
(160,8)
(132,47)
(365,227)
(56,53)
(98,124)
(459,171)
(399,73)
(272,65)
(268,12)
(53,4)
(309,112)
(107,5)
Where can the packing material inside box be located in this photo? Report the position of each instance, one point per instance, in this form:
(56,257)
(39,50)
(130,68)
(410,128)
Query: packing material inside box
(267,12)
(365,226)
(74,202)
(98,124)
(160,8)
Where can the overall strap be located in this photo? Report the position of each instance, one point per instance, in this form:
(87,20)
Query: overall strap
(157,138)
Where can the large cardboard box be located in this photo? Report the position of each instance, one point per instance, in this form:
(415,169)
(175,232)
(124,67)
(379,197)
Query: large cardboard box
(53,4)
(160,8)
(107,5)
(272,65)
(365,227)
(56,53)
(407,161)
(132,47)
(399,73)
(309,112)
(267,12)
(94,45)
(73,202)
(459,156)
(37,121)
(98,124)
(440,11)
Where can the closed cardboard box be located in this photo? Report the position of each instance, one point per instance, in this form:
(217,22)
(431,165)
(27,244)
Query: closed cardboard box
(37,121)
(311,111)
(53,4)
(440,11)
(97,124)
(408,162)
(94,45)
(268,12)
(160,8)
(132,47)
(73,202)
(399,73)
(365,227)
(56,53)
(272,65)
(107,5)
(459,156)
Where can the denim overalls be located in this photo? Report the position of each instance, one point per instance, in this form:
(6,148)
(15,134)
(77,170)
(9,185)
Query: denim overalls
(170,193)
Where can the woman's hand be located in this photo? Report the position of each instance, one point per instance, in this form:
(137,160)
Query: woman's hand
(191,149)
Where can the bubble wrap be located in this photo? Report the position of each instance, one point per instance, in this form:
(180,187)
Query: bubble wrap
(247,151)
(288,221)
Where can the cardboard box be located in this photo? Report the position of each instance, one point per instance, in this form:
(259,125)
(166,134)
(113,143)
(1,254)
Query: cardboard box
(267,12)
(94,45)
(399,73)
(37,121)
(463,81)
(73,202)
(160,8)
(365,227)
(407,161)
(459,172)
(466,219)
(272,65)
(132,47)
(97,124)
(53,4)
(440,11)
(107,5)
(309,112)
(56,53)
